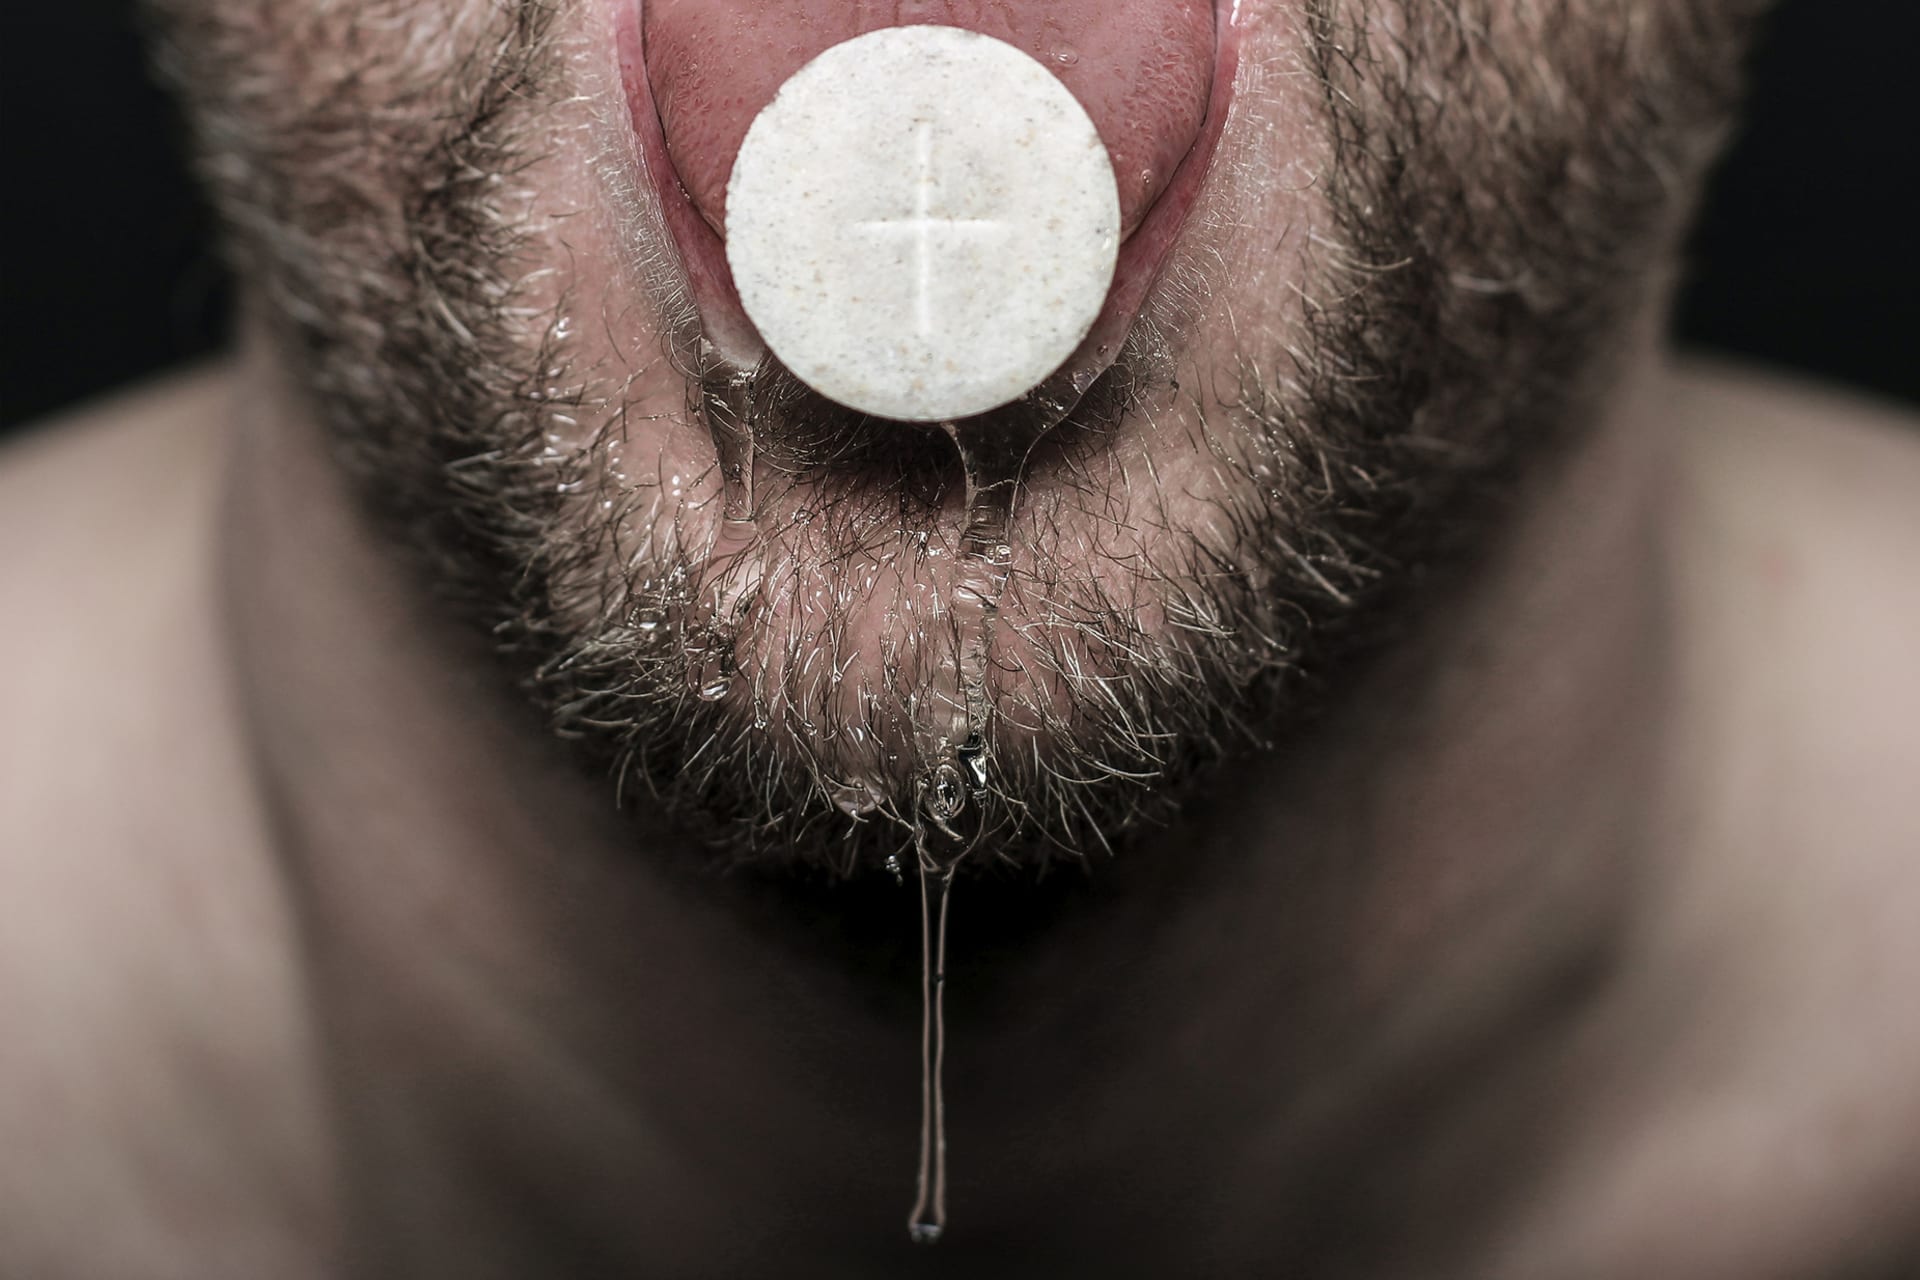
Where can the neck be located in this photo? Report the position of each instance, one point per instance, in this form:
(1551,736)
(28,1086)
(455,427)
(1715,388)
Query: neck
(551,1034)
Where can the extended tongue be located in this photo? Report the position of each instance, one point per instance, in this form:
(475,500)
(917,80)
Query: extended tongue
(1142,69)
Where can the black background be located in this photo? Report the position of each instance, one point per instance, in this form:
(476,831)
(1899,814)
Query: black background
(1808,256)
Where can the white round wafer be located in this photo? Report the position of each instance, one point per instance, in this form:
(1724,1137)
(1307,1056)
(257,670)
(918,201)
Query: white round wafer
(923,223)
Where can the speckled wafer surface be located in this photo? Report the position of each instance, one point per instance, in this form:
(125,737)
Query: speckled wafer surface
(923,224)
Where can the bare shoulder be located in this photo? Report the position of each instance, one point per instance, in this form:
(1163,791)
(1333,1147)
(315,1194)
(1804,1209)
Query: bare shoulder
(1759,1114)
(1793,1089)
(1766,442)
(97,502)
(147,1036)
(1799,541)
(106,535)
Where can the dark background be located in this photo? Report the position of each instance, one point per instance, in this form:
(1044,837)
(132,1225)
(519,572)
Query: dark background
(1808,256)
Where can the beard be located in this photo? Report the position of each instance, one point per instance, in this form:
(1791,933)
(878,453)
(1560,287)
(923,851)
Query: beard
(1492,189)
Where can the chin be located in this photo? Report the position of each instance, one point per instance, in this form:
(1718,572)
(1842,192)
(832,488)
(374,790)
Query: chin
(1333,348)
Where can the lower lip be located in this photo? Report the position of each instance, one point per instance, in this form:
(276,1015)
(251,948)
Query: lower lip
(703,254)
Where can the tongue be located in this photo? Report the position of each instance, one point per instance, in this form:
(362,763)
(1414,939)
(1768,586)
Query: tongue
(1143,70)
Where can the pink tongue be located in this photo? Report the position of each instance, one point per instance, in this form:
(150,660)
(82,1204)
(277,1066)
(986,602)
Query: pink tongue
(1143,70)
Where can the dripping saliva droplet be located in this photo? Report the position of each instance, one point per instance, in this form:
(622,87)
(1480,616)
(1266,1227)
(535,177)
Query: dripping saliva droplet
(710,664)
(727,403)
(928,1221)
(972,758)
(957,707)
(946,792)
(856,799)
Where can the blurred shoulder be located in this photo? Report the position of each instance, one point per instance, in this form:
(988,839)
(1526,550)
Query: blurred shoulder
(1771,1066)
(154,1093)
(84,461)
(107,530)
(1796,537)
(1799,522)
(1771,451)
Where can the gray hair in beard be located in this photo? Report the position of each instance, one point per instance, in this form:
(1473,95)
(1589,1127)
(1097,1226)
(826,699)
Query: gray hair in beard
(1501,178)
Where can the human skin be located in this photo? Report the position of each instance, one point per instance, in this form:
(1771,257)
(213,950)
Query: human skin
(1584,914)
(1426,242)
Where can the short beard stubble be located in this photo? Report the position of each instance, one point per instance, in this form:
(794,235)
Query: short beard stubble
(1498,182)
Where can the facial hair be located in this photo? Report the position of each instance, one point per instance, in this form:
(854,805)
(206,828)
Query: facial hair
(1499,183)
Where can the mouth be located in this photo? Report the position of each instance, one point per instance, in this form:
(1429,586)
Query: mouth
(1154,76)
(890,641)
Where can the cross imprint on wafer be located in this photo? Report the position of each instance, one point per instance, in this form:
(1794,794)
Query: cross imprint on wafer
(923,224)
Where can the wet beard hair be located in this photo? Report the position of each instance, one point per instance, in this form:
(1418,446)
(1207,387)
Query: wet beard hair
(1500,179)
